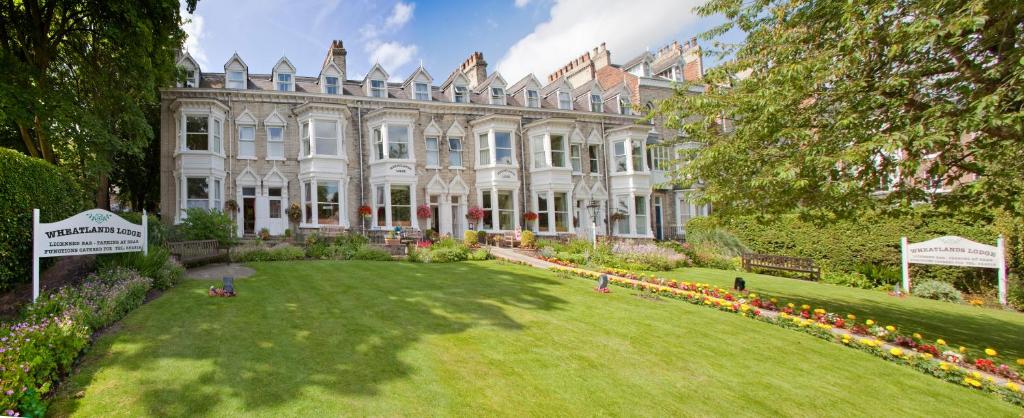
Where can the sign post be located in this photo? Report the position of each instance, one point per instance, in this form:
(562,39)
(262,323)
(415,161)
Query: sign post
(94,231)
(955,251)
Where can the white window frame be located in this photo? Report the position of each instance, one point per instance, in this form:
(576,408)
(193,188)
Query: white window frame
(309,139)
(191,78)
(539,154)
(328,85)
(421,95)
(594,159)
(637,157)
(246,147)
(497,95)
(560,162)
(623,166)
(460,94)
(641,214)
(511,147)
(625,106)
(560,214)
(596,104)
(235,84)
(532,100)
(564,100)
(200,202)
(576,158)
(185,133)
(483,145)
(381,141)
(433,152)
(660,158)
(380,90)
(305,150)
(315,145)
(275,147)
(456,151)
(288,84)
(311,201)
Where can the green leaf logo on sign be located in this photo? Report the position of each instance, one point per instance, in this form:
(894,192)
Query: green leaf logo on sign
(98,217)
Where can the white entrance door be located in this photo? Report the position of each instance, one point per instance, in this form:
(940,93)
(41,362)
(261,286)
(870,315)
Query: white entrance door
(458,219)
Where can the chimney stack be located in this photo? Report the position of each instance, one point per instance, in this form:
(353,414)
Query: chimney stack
(475,69)
(602,57)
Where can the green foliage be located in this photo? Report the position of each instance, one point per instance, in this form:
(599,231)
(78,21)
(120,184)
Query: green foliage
(449,254)
(528,239)
(839,100)
(109,295)
(282,252)
(479,254)
(371,253)
(718,240)
(202,224)
(26,184)
(848,279)
(937,290)
(447,242)
(157,232)
(481,237)
(1015,292)
(158,265)
(35,357)
(469,238)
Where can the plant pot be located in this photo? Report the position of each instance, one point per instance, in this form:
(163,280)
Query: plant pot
(392,241)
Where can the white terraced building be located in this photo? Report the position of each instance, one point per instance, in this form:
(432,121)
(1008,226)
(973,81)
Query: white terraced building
(330,145)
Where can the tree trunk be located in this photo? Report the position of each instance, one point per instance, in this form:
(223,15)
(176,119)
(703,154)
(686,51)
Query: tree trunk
(44,145)
(103,192)
(26,137)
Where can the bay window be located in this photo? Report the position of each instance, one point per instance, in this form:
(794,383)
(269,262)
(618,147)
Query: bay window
(484,147)
(638,156)
(398,141)
(557,151)
(378,143)
(422,91)
(564,100)
(217,132)
(506,211)
(236,80)
(197,193)
(574,156)
(275,142)
(454,152)
(503,147)
(216,194)
(532,98)
(378,88)
(622,208)
(307,204)
(304,138)
(561,212)
(197,133)
(332,85)
(401,206)
(246,141)
(433,153)
(487,222)
(543,223)
(619,147)
(327,202)
(381,210)
(391,141)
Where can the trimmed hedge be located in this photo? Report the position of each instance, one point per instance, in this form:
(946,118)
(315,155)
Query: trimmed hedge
(30,183)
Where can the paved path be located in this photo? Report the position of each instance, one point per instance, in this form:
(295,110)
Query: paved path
(515,256)
(219,270)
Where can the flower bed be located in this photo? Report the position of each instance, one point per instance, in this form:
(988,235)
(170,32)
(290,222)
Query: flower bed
(957,366)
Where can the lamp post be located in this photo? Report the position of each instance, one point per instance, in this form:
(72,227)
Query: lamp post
(594,207)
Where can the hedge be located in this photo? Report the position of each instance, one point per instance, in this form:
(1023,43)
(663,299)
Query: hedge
(847,245)
(30,183)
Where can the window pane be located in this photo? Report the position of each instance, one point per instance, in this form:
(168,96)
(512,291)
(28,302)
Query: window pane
(247,141)
(398,141)
(327,202)
(575,156)
(326,137)
(505,211)
(564,102)
(197,192)
(620,156)
(539,159)
(593,150)
(197,133)
(422,91)
(638,156)
(640,206)
(561,213)
(542,212)
(275,208)
(455,152)
(401,211)
(485,203)
(460,94)
(557,150)
(484,150)
(304,138)
(503,147)
(432,152)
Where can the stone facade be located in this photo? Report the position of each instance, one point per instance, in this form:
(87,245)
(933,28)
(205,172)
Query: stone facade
(329,145)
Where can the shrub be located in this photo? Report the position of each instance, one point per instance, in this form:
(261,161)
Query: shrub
(158,265)
(34,354)
(264,234)
(481,237)
(479,254)
(650,256)
(717,240)
(937,290)
(28,183)
(447,242)
(449,254)
(528,240)
(1015,293)
(202,224)
(851,279)
(347,244)
(547,252)
(156,231)
(469,238)
(371,253)
(109,295)
(282,252)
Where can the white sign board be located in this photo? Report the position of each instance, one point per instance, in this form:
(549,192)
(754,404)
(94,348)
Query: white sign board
(94,231)
(955,251)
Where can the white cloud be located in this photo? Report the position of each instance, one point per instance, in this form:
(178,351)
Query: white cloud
(193,27)
(575,26)
(392,55)
(522,3)
(400,15)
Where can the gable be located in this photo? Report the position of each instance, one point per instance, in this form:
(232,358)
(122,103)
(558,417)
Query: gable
(284,66)
(275,119)
(432,129)
(377,73)
(456,130)
(245,118)
(235,63)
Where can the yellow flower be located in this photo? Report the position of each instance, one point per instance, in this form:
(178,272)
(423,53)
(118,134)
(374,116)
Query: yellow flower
(846,339)
(971,382)
(774,300)
(890,328)
(790,304)
(926,356)
(944,366)
(870,322)
(805,307)
(851,317)
(940,341)
(1020,361)
(917,336)
(753,295)
(896,351)
(963,349)
(990,352)
(1013,387)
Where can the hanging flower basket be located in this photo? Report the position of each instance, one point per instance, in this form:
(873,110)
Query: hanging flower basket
(423,211)
(365,211)
(618,216)
(475,213)
(530,216)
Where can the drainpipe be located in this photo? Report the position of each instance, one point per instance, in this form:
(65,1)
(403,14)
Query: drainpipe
(607,186)
(522,172)
(362,191)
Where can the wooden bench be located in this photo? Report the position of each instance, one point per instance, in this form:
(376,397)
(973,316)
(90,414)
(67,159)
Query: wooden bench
(781,262)
(191,252)
(511,239)
(332,230)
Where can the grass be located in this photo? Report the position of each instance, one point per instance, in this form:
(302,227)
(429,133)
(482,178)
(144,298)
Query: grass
(970,326)
(329,338)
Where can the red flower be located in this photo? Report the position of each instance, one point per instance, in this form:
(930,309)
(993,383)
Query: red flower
(530,216)
(423,211)
(475,213)
(365,210)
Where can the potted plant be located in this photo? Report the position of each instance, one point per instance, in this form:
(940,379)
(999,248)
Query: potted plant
(529,217)
(424,212)
(391,238)
(294,213)
(474,215)
(231,207)
(365,213)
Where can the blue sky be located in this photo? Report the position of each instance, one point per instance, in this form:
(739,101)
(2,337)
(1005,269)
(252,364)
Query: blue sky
(515,36)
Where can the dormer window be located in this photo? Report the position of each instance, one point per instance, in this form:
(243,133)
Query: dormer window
(497,96)
(378,88)
(564,101)
(422,91)
(461,94)
(285,82)
(596,104)
(236,80)
(532,98)
(625,107)
(332,85)
(191,81)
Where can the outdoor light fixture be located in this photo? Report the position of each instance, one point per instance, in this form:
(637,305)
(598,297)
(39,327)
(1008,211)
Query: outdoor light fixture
(594,208)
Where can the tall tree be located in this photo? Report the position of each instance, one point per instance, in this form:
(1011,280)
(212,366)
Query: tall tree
(78,75)
(843,105)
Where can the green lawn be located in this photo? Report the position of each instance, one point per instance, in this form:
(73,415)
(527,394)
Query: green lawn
(398,339)
(971,326)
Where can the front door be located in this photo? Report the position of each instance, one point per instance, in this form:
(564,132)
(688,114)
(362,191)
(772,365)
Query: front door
(457,217)
(249,210)
(657,219)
